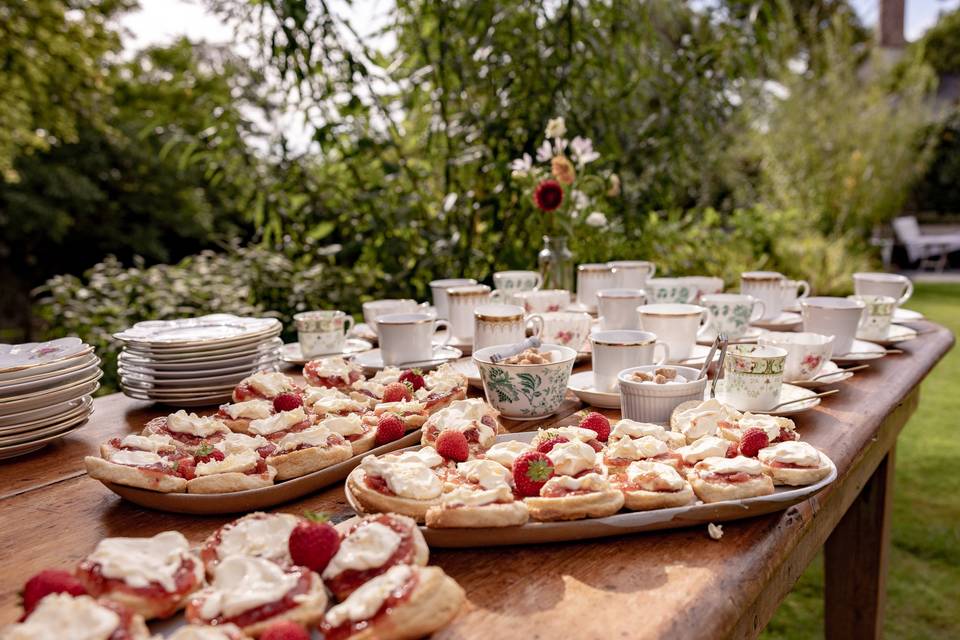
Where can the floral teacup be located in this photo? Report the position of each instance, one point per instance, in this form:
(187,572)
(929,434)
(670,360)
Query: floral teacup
(732,313)
(526,391)
(753,376)
(671,290)
(806,352)
(569,328)
(877,315)
(542,300)
(322,332)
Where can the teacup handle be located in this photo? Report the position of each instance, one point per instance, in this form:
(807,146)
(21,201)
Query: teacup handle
(704,322)
(538,281)
(666,353)
(537,321)
(907,293)
(757,304)
(347,325)
(438,324)
(804,287)
(653,270)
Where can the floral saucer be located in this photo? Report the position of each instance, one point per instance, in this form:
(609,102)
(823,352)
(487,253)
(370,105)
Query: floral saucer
(804,401)
(751,335)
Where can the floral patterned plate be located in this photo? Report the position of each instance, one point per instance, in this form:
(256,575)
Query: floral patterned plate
(787,392)
(837,375)
(214,328)
(18,357)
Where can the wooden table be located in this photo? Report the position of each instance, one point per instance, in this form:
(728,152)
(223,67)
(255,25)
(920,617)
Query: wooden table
(675,584)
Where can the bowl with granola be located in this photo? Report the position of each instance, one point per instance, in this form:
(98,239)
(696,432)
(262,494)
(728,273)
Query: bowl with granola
(650,393)
(529,385)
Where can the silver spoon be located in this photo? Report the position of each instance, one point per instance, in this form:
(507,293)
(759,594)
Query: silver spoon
(829,374)
(803,399)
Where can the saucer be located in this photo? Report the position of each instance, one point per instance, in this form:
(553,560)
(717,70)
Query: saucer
(861,351)
(838,375)
(582,308)
(751,335)
(786,321)
(895,333)
(697,357)
(787,392)
(468,368)
(907,315)
(466,346)
(373,361)
(582,386)
(363,331)
(291,353)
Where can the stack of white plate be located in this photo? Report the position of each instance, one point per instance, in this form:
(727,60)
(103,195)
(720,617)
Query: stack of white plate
(45,390)
(194,362)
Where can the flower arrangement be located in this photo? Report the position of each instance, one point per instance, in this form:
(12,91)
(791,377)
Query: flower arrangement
(560,185)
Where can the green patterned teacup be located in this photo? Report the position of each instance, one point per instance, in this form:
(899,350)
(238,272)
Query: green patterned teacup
(526,391)
(671,290)
(753,375)
(732,313)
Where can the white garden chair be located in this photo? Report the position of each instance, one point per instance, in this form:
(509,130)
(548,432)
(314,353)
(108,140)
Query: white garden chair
(928,249)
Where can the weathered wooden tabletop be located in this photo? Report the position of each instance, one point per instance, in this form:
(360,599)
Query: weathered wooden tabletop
(674,584)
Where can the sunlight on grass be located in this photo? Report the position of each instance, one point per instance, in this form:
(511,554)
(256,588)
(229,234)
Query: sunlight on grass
(923,588)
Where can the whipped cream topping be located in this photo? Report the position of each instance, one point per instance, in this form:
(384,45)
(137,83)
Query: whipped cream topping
(155,442)
(329,400)
(241,583)
(142,561)
(183,422)
(636,448)
(350,425)
(197,632)
(134,458)
(239,442)
(368,547)
(407,479)
(769,424)
(427,456)
(705,447)
(252,409)
(798,453)
(315,436)
(705,419)
(570,433)
(461,415)
(60,616)
(263,535)
(364,603)
(442,381)
(270,383)
(651,476)
(506,452)
(570,458)
(740,464)
(487,473)
(469,497)
(586,482)
(400,408)
(240,462)
(279,422)
(631,429)
(335,368)
(379,382)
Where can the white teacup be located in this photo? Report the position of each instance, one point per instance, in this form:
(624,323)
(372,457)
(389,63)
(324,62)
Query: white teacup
(614,351)
(543,300)
(766,286)
(617,308)
(511,282)
(837,317)
(407,337)
(877,316)
(461,303)
(898,287)
(590,279)
(567,328)
(791,291)
(495,324)
(753,376)
(376,308)
(732,313)
(631,274)
(438,292)
(806,352)
(706,285)
(678,325)
(322,332)
(671,291)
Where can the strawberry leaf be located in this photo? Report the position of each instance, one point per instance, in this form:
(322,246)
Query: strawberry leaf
(539,470)
(205,449)
(314,516)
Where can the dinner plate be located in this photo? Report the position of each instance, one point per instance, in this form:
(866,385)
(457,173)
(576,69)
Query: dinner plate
(55,365)
(90,375)
(253,499)
(11,420)
(907,315)
(47,372)
(264,351)
(786,321)
(698,355)
(751,335)
(52,398)
(787,392)
(12,451)
(292,354)
(372,360)
(582,386)
(895,333)
(185,392)
(137,371)
(186,381)
(467,367)
(77,407)
(465,346)
(15,358)
(618,524)
(51,381)
(836,375)
(182,403)
(214,328)
(49,427)
(239,345)
(860,352)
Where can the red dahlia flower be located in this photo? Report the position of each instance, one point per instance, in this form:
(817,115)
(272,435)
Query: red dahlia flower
(548,195)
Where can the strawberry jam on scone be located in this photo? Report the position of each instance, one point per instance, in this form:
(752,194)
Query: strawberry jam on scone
(188,429)
(265,385)
(332,372)
(60,616)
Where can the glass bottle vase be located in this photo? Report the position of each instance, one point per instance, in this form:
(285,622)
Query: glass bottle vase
(556,263)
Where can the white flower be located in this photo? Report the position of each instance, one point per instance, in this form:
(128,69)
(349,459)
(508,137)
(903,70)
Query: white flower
(579,200)
(449,200)
(556,128)
(544,152)
(559,146)
(582,151)
(522,166)
(596,219)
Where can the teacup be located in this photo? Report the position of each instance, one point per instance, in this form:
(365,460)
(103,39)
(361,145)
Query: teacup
(407,337)
(877,315)
(753,376)
(677,325)
(376,308)
(569,328)
(837,317)
(543,300)
(495,324)
(732,313)
(322,332)
(791,291)
(671,290)
(617,308)
(631,274)
(590,279)
(806,352)
(706,285)
(614,351)
(898,287)
(766,286)
(438,292)
(461,303)
(512,281)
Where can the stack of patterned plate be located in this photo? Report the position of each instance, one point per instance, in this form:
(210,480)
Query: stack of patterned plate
(194,362)
(45,392)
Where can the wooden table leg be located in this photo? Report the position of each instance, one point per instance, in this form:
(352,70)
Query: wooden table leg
(855,556)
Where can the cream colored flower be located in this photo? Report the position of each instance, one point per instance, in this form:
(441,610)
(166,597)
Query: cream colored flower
(556,128)
(596,219)
(614,189)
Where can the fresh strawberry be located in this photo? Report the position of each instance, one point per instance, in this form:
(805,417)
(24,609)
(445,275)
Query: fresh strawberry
(287,401)
(206,453)
(313,542)
(413,377)
(389,428)
(531,470)
(547,445)
(597,422)
(452,445)
(285,630)
(752,441)
(46,582)
(397,392)
(732,451)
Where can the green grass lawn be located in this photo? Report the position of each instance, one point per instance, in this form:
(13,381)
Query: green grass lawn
(923,587)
